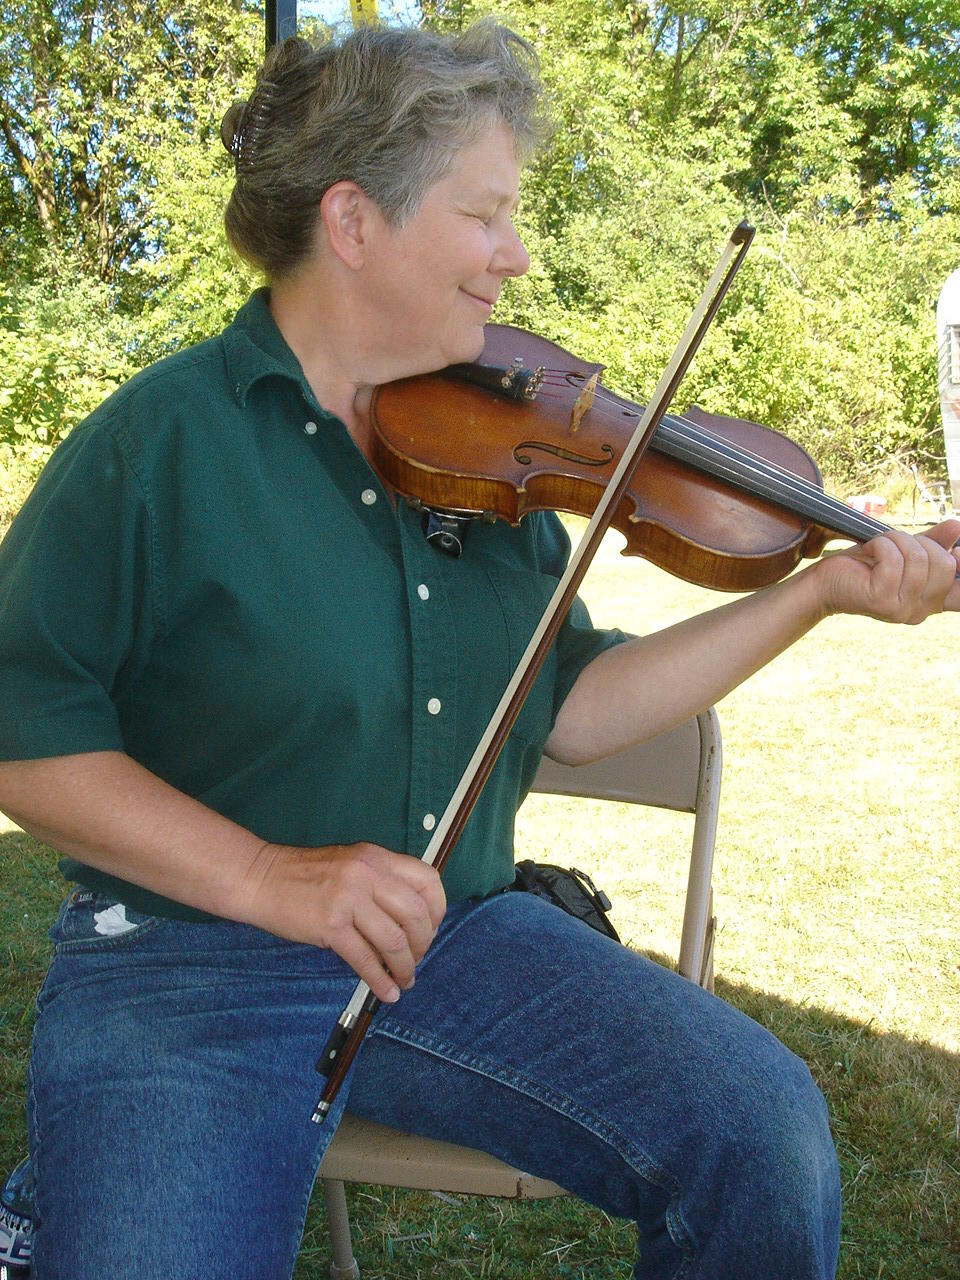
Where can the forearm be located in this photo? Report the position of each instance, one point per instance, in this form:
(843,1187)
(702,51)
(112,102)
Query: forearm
(648,685)
(111,813)
(640,689)
(376,908)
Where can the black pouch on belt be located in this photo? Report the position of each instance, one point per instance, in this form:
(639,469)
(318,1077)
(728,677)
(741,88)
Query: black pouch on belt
(572,890)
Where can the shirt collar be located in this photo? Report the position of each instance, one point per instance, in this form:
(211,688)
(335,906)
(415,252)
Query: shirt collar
(254,348)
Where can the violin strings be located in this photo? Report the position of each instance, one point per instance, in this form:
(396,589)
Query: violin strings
(688,443)
(768,480)
(683,440)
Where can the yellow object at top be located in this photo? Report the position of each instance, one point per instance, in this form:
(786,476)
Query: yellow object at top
(363,11)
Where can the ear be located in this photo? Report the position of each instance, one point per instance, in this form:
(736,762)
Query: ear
(347,216)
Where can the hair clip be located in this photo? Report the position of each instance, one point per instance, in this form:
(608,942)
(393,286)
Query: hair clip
(243,120)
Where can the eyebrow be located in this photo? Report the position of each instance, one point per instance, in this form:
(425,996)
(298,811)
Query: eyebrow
(501,195)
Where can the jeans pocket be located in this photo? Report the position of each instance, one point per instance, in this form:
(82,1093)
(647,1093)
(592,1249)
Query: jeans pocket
(91,921)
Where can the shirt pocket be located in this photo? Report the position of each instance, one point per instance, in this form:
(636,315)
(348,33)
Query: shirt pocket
(523,598)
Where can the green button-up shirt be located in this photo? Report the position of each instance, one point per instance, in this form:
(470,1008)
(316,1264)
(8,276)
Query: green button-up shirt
(210,577)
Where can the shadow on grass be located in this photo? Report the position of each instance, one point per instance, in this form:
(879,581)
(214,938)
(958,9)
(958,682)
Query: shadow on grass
(893,1105)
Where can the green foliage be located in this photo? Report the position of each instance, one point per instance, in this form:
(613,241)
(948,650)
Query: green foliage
(893,68)
(833,129)
(95,99)
(114,179)
(63,349)
(832,340)
(829,334)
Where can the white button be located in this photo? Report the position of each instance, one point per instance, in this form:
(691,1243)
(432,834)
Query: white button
(310,428)
(429,822)
(433,706)
(423,591)
(368,497)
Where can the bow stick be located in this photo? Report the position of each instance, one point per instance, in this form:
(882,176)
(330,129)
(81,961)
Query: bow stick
(347,1035)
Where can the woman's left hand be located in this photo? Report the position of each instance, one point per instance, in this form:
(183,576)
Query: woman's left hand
(895,577)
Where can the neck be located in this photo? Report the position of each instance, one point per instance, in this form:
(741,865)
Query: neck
(325,340)
(322,334)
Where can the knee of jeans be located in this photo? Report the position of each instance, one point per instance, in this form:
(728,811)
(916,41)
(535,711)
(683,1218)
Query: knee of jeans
(807,1129)
(789,1153)
(773,1194)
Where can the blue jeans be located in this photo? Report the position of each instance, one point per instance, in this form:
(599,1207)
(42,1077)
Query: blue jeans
(172,1082)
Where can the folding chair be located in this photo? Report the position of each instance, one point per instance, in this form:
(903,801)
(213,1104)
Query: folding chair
(678,770)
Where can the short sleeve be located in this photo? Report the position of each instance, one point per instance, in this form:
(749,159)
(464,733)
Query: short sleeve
(76,609)
(578,641)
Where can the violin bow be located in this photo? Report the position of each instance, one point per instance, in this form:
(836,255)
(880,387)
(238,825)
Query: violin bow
(347,1036)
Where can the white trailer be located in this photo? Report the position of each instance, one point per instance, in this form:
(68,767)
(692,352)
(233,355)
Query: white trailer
(948,352)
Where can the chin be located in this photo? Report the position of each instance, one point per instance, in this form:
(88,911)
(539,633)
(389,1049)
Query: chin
(469,348)
(461,347)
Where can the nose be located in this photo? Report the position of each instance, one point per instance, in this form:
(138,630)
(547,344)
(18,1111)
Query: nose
(511,258)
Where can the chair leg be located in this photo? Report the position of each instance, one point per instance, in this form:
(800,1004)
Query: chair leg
(706,968)
(338,1223)
(696,938)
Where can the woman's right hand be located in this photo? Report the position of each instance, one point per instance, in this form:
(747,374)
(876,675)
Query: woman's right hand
(378,910)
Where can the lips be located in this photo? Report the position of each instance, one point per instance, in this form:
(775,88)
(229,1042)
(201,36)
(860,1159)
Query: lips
(486,302)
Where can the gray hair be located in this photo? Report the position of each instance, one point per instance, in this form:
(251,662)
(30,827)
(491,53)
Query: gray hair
(386,109)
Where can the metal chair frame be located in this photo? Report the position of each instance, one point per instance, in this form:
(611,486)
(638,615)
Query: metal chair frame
(678,770)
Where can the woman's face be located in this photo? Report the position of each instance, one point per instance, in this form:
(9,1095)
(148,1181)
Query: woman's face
(438,276)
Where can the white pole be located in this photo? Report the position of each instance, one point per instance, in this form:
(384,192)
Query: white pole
(948,361)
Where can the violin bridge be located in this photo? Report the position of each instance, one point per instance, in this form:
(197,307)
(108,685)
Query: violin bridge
(583,401)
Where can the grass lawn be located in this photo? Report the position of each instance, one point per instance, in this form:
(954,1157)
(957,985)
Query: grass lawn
(838,861)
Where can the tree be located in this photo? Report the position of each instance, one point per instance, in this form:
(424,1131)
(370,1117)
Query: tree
(832,127)
(93,98)
(893,66)
(113,179)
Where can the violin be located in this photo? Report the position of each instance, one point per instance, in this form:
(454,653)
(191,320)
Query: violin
(719,501)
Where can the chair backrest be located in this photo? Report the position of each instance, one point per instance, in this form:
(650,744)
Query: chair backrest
(664,772)
(676,770)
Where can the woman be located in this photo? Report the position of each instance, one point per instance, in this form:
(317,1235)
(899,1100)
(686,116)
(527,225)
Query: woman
(239,688)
